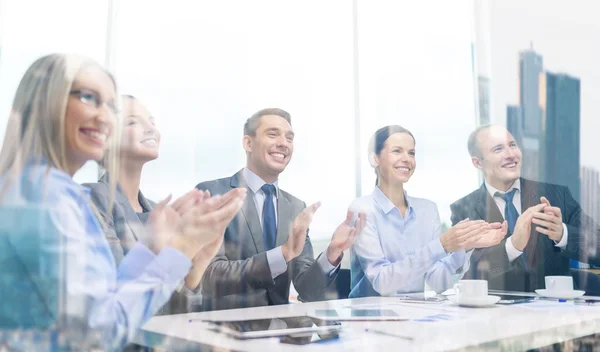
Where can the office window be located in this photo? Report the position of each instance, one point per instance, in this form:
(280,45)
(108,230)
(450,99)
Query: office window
(203,69)
(31,29)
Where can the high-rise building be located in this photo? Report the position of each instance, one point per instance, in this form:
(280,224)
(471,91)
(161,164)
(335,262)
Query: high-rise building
(531,68)
(590,201)
(514,122)
(559,152)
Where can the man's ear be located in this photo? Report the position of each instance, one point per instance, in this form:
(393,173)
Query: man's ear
(247,143)
(477,162)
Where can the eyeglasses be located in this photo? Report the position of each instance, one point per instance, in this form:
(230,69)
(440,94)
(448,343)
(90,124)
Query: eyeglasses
(89,97)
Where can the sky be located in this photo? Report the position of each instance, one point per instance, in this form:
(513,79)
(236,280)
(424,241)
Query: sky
(202,69)
(566,35)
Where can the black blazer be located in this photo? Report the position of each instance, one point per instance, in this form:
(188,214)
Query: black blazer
(123,229)
(239,276)
(543,256)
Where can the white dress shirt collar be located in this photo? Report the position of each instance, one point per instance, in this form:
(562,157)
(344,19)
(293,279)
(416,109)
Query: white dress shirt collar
(255,183)
(492,190)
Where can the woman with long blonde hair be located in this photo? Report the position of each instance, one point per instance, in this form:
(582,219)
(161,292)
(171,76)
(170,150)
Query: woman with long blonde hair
(140,143)
(60,280)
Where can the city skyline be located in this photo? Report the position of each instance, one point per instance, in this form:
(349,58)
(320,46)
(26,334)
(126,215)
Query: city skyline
(546,122)
(563,35)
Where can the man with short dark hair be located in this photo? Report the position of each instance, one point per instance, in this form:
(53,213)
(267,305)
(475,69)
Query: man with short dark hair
(546,226)
(266,246)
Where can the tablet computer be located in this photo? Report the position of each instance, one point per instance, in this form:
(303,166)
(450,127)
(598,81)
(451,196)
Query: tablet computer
(351,314)
(301,326)
(513,299)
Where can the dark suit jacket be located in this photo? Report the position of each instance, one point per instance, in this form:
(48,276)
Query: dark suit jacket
(123,229)
(239,276)
(543,257)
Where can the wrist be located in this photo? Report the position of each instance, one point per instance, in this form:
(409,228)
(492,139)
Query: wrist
(182,246)
(286,253)
(333,255)
(444,243)
(562,234)
(517,243)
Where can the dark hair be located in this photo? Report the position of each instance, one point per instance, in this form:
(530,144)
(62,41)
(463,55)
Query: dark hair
(381,135)
(378,139)
(251,124)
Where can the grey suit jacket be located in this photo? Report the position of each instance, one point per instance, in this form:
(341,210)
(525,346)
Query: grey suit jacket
(123,229)
(239,276)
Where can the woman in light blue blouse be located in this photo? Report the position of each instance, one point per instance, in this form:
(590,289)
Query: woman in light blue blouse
(59,283)
(402,246)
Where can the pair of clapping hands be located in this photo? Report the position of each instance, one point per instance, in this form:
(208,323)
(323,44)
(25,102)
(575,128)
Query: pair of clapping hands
(469,234)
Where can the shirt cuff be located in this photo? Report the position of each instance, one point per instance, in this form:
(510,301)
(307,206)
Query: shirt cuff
(457,261)
(182,288)
(276,262)
(326,266)
(171,265)
(467,263)
(511,251)
(436,248)
(562,244)
(135,262)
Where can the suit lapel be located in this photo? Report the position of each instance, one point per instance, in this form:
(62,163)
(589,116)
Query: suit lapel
(530,197)
(146,204)
(249,213)
(486,206)
(131,218)
(284,219)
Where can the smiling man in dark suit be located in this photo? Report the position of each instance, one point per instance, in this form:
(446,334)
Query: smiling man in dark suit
(266,246)
(546,226)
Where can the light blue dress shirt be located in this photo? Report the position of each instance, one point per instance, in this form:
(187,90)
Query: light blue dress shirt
(396,254)
(107,303)
(275,257)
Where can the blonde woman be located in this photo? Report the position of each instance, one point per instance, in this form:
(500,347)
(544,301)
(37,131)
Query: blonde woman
(140,143)
(63,115)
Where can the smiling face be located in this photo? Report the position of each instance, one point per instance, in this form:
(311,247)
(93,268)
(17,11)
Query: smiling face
(89,120)
(140,140)
(396,162)
(500,158)
(270,150)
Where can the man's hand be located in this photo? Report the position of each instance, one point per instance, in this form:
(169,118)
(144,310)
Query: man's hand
(549,221)
(345,236)
(522,231)
(295,243)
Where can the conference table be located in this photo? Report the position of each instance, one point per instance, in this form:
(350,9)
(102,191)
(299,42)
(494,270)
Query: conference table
(430,327)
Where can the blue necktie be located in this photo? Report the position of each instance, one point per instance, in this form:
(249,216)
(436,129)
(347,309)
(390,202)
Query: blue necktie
(511,215)
(269,223)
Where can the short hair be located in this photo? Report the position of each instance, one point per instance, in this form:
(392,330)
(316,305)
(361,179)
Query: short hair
(252,123)
(378,139)
(473,142)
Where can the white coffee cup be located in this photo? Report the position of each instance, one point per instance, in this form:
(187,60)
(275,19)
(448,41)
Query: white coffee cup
(471,289)
(559,283)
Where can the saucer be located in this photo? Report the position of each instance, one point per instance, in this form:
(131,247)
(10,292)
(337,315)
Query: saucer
(483,301)
(563,294)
